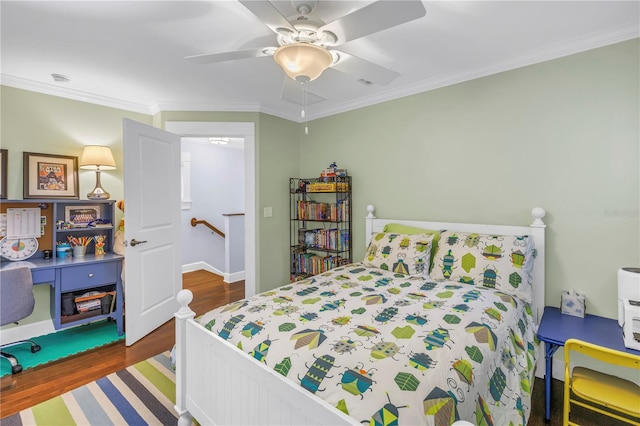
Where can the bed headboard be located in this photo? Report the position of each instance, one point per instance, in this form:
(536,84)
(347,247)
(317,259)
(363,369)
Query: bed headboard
(536,229)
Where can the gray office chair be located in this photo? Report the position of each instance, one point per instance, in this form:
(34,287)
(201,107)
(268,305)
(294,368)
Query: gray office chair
(17,302)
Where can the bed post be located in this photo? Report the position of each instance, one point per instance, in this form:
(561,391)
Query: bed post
(538,231)
(369,224)
(184,314)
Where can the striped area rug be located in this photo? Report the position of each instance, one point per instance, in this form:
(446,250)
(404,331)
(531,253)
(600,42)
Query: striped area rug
(143,394)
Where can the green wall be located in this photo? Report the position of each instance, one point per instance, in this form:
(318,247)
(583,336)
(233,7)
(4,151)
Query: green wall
(33,122)
(563,135)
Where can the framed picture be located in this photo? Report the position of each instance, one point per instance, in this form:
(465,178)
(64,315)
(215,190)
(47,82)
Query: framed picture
(81,216)
(50,176)
(4,155)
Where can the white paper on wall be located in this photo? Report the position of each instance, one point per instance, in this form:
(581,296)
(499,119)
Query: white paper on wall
(23,223)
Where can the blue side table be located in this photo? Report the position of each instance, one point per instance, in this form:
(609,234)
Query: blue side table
(556,328)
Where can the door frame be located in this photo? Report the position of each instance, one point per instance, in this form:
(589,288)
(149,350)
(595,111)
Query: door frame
(244,130)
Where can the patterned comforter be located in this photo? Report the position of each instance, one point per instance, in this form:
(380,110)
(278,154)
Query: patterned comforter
(389,349)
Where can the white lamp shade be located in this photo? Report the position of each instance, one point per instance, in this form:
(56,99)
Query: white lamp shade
(96,157)
(303,61)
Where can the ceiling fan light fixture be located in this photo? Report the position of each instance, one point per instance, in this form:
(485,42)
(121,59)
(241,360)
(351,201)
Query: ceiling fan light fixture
(303,61)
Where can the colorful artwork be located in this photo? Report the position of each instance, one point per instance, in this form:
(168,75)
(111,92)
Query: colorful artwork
(51,176)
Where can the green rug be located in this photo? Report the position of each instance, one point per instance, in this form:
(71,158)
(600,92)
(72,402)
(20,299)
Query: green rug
(63,344)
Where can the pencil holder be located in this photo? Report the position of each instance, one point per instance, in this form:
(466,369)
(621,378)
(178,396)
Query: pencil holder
(79,251)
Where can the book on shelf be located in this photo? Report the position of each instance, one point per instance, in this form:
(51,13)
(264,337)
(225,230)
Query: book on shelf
(333,212)
(311,263)
(328,239)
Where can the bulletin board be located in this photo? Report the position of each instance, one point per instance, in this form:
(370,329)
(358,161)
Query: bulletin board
(45,242)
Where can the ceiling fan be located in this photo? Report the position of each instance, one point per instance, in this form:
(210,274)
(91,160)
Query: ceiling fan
(306,45)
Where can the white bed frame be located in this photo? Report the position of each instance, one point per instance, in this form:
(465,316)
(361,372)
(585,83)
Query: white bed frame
(220,385)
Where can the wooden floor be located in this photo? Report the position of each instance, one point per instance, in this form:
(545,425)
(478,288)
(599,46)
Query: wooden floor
(39,384)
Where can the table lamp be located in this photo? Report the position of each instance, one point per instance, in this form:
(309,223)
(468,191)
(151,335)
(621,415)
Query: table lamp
(97,158)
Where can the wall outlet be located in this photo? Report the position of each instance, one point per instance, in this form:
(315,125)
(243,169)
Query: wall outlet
(268,211)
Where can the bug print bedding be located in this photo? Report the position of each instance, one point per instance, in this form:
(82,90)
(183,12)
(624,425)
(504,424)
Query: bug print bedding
(388,348)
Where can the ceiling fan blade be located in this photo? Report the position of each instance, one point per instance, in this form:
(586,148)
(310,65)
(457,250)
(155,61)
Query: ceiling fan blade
(364,71)
(292,92)
(268,14)
(210,58)
(375,17)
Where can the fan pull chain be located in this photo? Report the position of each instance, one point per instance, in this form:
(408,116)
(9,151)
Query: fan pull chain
(303,113)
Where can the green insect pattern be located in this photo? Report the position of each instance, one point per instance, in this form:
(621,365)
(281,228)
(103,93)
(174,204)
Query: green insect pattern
(488,343)
(386,416)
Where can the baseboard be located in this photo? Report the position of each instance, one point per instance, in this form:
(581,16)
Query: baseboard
(557,365)
(234,278)
(228,277)
(27,331)
(197,266)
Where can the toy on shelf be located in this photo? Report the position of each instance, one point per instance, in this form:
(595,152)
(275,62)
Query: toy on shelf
(99,248)
(332,172)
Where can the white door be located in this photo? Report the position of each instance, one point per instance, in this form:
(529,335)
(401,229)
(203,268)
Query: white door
(153,270)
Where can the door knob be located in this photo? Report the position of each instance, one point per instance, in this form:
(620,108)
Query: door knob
(135,242)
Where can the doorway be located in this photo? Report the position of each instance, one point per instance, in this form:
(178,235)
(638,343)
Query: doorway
(213,206)
(247,132)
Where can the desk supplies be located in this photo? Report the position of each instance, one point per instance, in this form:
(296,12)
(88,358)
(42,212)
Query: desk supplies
(63,250)
(79,241)
(79,251)
(79,244)
(573,303)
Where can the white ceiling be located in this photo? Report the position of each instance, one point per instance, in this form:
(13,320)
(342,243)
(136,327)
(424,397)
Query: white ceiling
(130,54)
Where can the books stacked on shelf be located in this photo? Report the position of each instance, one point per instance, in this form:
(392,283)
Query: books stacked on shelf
(312,264)
(326,239)
(334,212)
(94,300)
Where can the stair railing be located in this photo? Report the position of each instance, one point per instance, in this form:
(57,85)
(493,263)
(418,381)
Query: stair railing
(195,222)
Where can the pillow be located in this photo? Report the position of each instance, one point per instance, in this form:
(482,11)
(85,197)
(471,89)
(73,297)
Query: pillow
(406,229)
(503,262)
(401,253)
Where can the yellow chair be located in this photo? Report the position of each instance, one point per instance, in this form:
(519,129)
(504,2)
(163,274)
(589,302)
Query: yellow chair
(597,390)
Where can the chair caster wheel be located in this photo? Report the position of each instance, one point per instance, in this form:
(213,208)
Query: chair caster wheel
(35,348)
(16,369)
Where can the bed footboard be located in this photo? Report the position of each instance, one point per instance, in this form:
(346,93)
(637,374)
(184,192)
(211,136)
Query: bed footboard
(217,384)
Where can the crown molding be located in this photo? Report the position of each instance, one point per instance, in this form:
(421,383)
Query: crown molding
(206,106)
(62,92)
(555,51)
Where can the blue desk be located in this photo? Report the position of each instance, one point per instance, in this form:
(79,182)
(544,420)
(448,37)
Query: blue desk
(556,328)
(77,275)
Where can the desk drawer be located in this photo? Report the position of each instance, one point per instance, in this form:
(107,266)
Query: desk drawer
(43,275)
(86,276)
